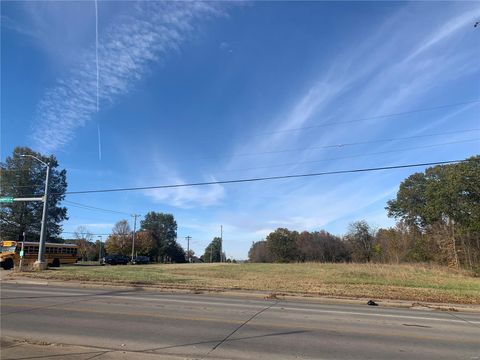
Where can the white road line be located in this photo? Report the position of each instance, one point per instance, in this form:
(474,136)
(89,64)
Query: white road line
(276,307)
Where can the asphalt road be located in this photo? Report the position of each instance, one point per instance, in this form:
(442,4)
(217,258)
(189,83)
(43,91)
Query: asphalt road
(136,324)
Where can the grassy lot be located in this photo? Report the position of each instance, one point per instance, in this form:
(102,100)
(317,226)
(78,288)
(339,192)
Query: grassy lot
(378,281)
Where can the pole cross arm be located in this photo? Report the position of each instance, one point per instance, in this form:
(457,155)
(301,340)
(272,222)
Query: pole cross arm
(30,199)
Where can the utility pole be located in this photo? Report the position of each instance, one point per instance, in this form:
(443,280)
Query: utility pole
(134,230)
(100,249)
(221,243)
(40,264)
(188,247)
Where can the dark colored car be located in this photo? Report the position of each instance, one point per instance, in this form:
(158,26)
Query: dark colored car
(140,260)
(115,259)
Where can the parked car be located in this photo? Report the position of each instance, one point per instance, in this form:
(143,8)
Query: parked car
(115,259)
(140,260)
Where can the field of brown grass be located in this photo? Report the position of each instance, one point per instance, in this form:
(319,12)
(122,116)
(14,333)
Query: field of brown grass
(419,282)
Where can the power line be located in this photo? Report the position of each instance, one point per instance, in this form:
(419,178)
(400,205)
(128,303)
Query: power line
(236,181)
(89,207)
(356,156)
(73,233)
(347,122)
(341,145)
(332,146)
(371,117)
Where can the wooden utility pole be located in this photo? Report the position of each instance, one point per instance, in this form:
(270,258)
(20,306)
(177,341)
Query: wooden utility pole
(133,235)
(188,247)
(221,243)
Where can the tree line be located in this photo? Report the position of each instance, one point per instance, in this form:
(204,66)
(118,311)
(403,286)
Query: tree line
(437,213)
(438,220)
(157,239)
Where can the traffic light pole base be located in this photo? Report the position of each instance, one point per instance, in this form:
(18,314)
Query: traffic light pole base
(39,265)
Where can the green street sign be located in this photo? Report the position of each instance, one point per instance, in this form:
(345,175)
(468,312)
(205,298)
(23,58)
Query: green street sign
(21,253)
(7,199)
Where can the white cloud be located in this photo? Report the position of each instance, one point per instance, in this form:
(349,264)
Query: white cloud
(387,74)
(127,48)
(187,197)
(11,24)
(465,20)
(99,225)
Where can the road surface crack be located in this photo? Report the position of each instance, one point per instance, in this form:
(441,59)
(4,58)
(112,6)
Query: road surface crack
(237,329)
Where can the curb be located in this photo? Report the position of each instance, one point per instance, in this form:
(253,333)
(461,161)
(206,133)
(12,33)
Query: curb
(252,294)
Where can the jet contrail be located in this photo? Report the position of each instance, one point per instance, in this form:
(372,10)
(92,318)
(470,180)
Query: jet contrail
(96,59)
(99,142)
(96,44)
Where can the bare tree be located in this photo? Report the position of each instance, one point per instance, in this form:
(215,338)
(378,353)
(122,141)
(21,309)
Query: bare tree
(86,248)
(361,238)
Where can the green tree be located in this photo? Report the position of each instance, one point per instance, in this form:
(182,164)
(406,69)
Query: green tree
(212,251)
(444,203)
(442,193)
(282,245)
(25,177)
(163,229)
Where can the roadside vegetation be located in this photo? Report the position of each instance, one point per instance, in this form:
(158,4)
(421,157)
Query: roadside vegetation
(432,254)
(438,214)
(418,282)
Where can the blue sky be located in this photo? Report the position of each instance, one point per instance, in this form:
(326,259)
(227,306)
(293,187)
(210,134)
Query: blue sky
(193,92)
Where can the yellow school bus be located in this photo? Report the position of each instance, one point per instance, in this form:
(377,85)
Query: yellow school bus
(55,254)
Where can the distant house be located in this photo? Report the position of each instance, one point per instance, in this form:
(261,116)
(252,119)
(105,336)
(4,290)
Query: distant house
(196,260)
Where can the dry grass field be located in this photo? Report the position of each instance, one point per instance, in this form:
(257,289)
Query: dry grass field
(419,282)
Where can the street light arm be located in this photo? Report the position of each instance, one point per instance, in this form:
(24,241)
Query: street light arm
(40,264)
(28,155)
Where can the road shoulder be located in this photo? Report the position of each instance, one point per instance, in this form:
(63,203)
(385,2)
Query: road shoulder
(14,348)
(248,294)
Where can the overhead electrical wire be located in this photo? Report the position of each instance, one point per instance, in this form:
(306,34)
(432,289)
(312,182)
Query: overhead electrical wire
(89,207)
(333,123)
(342,145)
(267,178)
(356,156)
(333,146)
(73,232)
(353,121)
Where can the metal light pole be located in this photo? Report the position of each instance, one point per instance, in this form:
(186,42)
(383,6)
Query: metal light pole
(40,264)
(134,230)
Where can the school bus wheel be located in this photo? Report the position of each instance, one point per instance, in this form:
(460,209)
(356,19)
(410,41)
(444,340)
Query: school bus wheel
(56,262)
(7,264)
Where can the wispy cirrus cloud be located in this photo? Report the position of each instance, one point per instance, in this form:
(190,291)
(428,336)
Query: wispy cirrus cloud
(397,68)
(9,23)
(187,197)
(127,49)
(102,226)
